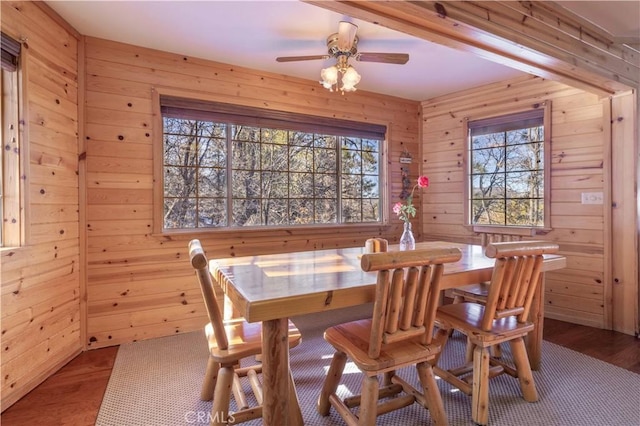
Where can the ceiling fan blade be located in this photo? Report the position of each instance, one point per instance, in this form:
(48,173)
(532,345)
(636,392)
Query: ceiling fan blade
(301,58)
(388,58)
(346,35)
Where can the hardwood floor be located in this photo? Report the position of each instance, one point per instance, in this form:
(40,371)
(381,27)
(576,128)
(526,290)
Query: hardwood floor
(73,395)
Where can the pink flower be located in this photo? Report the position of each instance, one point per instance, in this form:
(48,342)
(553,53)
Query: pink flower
(423,182)
(408,210)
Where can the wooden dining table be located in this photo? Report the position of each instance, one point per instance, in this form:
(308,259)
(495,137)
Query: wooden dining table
(272,288)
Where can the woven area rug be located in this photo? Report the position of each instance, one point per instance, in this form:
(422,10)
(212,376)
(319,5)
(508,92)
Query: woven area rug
(157,382)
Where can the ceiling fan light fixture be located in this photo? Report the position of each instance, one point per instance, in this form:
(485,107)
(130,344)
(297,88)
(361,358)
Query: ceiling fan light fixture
(329,77)
(350,79)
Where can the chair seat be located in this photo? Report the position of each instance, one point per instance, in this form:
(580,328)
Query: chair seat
(473,292)
(467,317)
(353,337)
(245,339)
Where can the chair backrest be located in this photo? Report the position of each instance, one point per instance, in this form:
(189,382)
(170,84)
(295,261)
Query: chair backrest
(492,234)
(406,301)
(515,277)
(201,266)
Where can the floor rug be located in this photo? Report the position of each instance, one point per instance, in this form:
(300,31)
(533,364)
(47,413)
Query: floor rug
(157,383)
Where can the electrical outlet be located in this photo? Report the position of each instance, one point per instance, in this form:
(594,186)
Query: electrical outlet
(592,198)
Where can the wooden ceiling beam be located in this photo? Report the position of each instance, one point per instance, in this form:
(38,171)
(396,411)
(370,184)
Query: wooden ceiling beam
(539,38)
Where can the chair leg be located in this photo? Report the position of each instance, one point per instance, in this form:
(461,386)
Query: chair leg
(468,355)
(295,415)
(209,383)
(496,351)
(369,403)
(432,393)
(480,386)
(222,396)
(331,382)
(525,377)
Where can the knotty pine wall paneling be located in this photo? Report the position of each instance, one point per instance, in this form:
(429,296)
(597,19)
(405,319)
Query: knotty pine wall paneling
(579,163)
(40,314)
(140,285)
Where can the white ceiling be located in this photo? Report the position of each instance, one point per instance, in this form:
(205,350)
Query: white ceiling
(253,33)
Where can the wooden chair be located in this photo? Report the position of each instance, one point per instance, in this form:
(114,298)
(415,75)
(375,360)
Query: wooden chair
(478,292)
(504,318)
(399,334)
(230,340)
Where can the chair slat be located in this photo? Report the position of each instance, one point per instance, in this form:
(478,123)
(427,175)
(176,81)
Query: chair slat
(409,299)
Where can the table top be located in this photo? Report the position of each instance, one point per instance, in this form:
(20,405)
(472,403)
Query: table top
(283,285)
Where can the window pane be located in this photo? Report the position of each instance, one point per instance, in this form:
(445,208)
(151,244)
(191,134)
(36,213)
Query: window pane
(488,186)
(246,212)
(371,210)
(212,182)
(246,184)
(325,161)
(275,185)
(275,176)
(370,187)
(488,160)
(301,212)
(212,213)
(525,157)
(525,212)
(180,213)
(301,185)
(275,157)
(351,186)
(180,181)
(300,159)
(245,156)
(275,212)
(488,212)
(351,211)
(326,211)
(487,141)
(325,186)
(212,152)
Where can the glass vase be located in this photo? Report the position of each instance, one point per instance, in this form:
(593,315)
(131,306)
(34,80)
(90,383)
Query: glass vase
(407,242)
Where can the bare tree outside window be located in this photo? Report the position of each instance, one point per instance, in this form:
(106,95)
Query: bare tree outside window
(219,174)
(507,171)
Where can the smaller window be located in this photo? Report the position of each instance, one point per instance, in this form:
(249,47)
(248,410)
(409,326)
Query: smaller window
(508,170)
(10,201)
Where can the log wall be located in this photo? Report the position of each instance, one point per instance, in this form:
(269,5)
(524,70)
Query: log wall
(580,146)
(139,284)
(40,279)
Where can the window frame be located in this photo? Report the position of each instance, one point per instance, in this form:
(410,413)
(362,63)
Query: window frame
(14,140)
(546,120)
(178,97)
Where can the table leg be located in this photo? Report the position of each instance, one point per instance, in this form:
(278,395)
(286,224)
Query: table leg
(275,375)
(534,339)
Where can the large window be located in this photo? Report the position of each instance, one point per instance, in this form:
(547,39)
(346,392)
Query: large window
(10,183)
(508,170)
(226,166)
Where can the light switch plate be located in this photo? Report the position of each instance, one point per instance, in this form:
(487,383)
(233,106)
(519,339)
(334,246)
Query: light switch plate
(592,198)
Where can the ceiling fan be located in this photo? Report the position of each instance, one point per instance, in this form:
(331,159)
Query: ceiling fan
(342,46)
